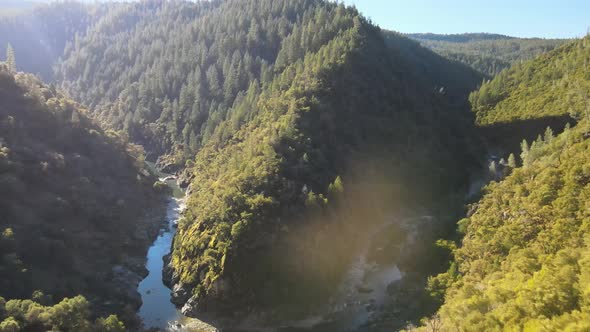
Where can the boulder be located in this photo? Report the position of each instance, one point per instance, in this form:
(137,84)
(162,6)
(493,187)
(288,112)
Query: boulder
(191,307)
(180,294)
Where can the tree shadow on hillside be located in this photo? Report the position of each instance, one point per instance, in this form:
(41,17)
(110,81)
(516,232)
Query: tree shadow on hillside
(506,137)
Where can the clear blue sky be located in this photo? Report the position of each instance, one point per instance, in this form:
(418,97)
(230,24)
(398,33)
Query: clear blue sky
(519,18)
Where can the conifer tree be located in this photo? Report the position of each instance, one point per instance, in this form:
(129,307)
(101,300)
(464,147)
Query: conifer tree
(548,135)
(511,161)
(493,168)
(10,58)
(524,146)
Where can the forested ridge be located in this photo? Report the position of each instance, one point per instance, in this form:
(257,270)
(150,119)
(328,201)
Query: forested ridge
(274,98)
(552,85)
(38,35)
(523,261)
(72,199)
(173,71)
(295,126)
(487,53)
(251,186)
(254,90)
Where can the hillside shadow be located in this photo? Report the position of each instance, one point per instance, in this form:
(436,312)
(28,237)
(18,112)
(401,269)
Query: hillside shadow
(508,136)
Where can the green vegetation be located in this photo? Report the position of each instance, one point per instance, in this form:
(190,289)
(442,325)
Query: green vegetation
(39,34)
(71,314)
(171,74)
(270,104)
(272,159)
(554,84)
(276,99)
(72,197)
(524,260)
(299,125)
(523,263)
(451,78)
(487,53)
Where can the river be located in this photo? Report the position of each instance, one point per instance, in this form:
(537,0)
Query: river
(362,292)
(157,311)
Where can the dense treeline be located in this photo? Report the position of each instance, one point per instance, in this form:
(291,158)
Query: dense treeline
(459,38)
(554,84)
(39,35)
(450,77)
(487,53)
(285,113)
(171,71)
(72,198)
(524,260)
(278,149)
(70,314)
(523,263)
(276,99)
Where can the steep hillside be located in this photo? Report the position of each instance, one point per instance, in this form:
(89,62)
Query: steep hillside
(39,35)
(487,53)
(73,202)
(260,189)
(285,104)
(276,99)
(553,85)
(451,78)
(172,72)
(523,262)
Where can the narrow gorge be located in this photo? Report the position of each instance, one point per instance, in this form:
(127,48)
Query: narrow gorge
(290,166)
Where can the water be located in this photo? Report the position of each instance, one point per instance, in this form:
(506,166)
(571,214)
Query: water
(359,305)
(347,311)
(362,290)
(355,306)
(157,310)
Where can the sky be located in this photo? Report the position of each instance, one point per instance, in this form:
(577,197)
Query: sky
(518,18)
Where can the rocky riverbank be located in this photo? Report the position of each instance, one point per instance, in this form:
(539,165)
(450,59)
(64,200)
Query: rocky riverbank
(363,300)
(122,280)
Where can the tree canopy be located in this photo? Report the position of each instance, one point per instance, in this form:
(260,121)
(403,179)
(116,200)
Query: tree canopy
(523,261)
(73,195)
(488,53)
(37,35)
(553,84)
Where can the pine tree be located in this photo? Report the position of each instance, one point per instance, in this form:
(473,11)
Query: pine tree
(493,168)
(511,161)
(336,188)
(10,58)
(549,135)
(213,81)
(524,146)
